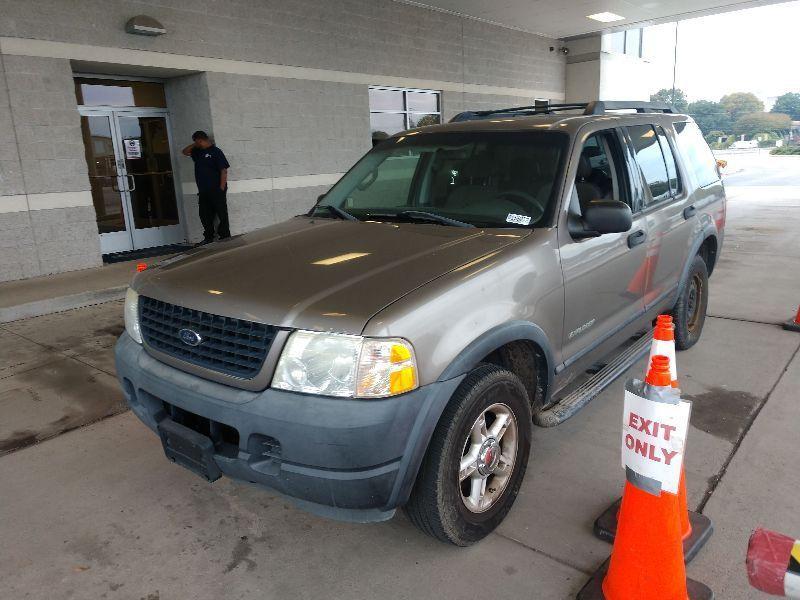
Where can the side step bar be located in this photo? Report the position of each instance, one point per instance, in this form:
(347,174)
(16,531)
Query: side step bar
(566,407)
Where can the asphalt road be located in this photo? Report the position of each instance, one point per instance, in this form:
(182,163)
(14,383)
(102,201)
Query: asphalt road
(761,169)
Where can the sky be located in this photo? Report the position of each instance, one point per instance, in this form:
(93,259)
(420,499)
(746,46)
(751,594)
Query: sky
(753,50)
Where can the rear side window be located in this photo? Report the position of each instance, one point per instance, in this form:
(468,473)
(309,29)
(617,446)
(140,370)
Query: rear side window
(669,159)
(650,160)
(699,159)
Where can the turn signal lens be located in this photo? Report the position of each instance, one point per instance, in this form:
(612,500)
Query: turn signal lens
(386,368)
(403,380)
(400,353)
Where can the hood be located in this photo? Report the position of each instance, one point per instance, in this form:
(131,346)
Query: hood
(319,274)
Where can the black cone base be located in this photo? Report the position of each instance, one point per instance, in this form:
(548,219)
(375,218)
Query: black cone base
(605,528)
(593,589)
(791,325)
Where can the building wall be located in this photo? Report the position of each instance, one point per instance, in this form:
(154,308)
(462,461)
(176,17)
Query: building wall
(282,86)
(46,213)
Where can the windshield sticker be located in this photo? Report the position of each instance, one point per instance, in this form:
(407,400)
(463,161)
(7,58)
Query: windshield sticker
(518,219)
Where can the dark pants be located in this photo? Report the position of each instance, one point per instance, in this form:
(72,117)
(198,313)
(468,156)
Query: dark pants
(214,204)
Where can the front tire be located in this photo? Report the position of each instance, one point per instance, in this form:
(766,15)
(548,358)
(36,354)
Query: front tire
(689,314)
(476,460)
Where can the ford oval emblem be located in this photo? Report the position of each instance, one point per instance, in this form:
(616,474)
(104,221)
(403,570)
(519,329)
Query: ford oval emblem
(190,337)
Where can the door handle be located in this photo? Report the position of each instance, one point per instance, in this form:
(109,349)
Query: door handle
(689,212)
(636,238)
(133,183)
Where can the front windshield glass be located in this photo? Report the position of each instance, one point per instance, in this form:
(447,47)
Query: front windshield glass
(485,179)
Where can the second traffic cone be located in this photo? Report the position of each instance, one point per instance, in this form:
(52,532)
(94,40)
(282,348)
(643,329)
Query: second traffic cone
(793,325)
(647,559)
(695,528)
(664,344)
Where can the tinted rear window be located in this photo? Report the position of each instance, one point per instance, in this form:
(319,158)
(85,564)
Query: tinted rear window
(697,155)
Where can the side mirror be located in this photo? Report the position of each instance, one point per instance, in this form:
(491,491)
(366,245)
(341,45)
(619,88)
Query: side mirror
(604,216)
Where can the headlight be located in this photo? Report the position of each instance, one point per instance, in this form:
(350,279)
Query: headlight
(346,365)
(132,316)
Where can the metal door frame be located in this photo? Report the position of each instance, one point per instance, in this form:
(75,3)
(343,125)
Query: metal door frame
(171,233)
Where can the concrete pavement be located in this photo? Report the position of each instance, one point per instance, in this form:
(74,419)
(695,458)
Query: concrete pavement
(99,512)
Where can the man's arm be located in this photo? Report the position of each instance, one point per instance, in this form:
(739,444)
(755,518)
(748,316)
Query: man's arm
(223,179)
(187,151)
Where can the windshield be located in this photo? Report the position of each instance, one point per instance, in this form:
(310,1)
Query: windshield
(484,179)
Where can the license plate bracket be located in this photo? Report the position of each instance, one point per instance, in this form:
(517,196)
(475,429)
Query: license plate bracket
(189,449)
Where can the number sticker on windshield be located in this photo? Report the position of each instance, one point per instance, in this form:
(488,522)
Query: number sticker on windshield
(518,219)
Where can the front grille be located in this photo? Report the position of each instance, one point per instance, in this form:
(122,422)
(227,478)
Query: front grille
(230,346)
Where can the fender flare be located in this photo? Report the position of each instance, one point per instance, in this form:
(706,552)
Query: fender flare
(493,339)
(445,387)
(708,231)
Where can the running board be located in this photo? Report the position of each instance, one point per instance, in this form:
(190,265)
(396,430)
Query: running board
(566,407)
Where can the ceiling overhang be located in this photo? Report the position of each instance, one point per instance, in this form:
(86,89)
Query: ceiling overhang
(568,18)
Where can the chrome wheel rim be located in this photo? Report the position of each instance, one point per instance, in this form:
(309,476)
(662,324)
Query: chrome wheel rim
(488,457)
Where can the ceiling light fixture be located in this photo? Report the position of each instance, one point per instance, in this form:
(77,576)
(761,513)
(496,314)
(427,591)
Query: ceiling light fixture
(605,17)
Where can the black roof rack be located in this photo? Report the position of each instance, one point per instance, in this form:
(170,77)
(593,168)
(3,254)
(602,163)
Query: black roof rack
(543,107)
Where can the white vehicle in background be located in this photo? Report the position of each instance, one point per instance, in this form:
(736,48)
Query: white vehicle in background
(744,144)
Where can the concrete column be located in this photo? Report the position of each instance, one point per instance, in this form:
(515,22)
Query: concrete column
(596,72)
(47,218)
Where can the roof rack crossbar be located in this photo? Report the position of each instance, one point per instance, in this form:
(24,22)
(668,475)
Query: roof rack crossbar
(539,108)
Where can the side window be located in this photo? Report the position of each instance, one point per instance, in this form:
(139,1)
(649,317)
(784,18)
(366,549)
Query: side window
(699,158)
(650,160)
(669,158)
(600,174)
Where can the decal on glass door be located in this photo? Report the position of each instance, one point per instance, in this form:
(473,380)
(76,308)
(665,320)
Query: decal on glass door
(133,148)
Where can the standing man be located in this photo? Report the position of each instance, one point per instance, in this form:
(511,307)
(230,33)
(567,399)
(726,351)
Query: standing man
(211,174)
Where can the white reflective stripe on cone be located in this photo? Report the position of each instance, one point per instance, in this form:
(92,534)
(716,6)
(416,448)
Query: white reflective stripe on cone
(665,348)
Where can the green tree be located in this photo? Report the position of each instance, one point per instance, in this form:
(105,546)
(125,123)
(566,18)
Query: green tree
(675,98)
(710,116)
(788,104)
(741,103)
(757,122)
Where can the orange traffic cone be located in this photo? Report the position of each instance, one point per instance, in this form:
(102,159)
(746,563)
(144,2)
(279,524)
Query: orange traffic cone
(793,325)
(647,560)
(696,529)
(664,344)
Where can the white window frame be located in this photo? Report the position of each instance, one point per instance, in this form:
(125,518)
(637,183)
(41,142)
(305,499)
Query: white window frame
(405,112)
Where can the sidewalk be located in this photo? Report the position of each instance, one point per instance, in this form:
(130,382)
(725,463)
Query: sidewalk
(55,293)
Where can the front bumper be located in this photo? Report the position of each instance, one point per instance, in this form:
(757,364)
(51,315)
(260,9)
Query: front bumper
(352,460)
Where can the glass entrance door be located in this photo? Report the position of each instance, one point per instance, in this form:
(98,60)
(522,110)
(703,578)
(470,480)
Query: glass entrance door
(132,178)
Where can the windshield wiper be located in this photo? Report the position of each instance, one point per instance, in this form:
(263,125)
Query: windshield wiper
(342,214)
(421,215)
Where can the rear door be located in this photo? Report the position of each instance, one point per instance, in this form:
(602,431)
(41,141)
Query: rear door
(665,203)
(603,276)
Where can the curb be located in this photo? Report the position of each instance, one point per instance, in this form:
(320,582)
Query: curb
(55,305)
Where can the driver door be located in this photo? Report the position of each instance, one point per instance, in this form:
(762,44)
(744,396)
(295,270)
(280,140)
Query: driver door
(604,277)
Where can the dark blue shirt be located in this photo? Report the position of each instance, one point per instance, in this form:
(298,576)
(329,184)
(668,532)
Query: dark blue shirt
(208,166)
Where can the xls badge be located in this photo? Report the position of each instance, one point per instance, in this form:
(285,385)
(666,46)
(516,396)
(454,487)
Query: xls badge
(190,337)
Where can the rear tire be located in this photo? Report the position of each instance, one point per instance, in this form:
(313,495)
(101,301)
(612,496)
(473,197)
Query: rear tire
(460,500)
(689,314)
